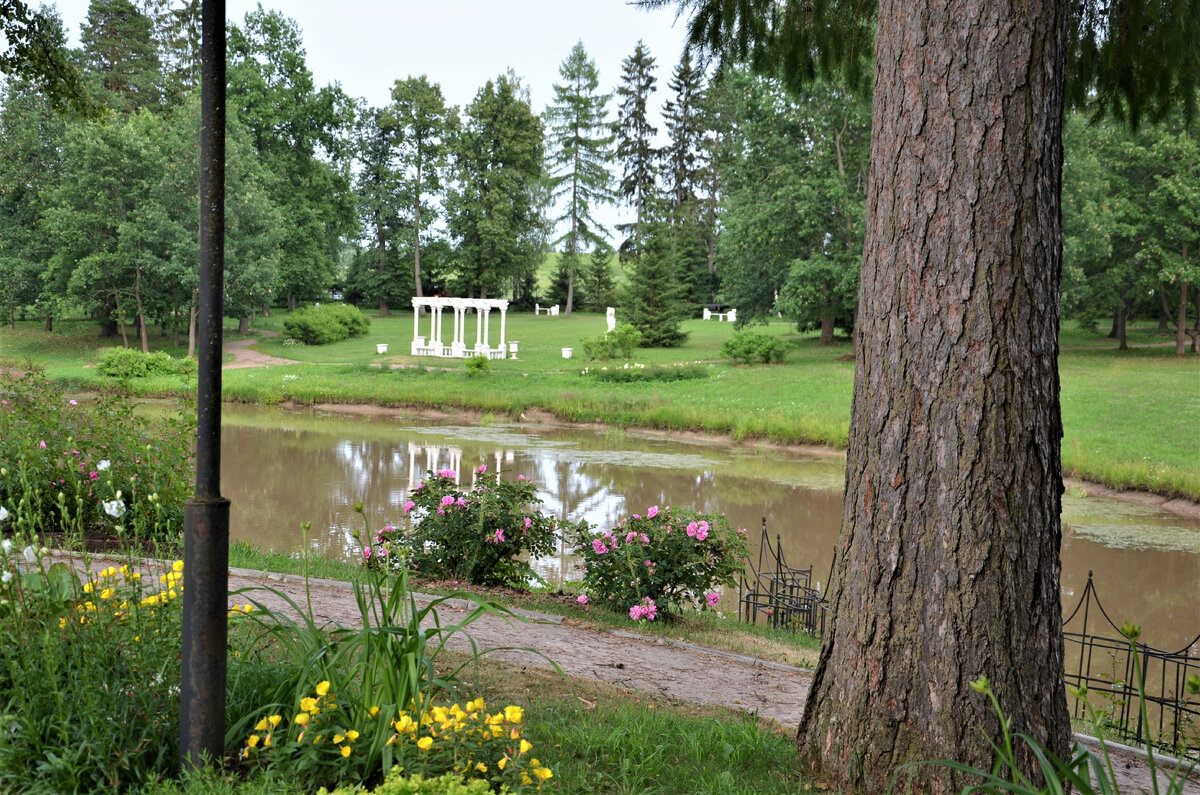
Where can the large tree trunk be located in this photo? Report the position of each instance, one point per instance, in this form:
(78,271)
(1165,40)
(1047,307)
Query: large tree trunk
(192,332)
(48,325)
(1119,317)
(948,565)
(243,325)
(827,328)
(141,313)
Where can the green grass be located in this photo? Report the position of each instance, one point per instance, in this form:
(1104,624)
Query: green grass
(1127,414)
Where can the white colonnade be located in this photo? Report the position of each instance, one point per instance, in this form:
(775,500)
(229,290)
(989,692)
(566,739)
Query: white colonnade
(433,345)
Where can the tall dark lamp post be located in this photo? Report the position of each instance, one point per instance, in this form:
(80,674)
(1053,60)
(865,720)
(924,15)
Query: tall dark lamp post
(206,516)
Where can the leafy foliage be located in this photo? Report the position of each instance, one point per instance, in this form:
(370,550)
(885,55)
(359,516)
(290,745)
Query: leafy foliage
(666,559)
(483,535)
(130,363)
(76,468)
(618,343)
(640,374)
(320,325)
(750,345)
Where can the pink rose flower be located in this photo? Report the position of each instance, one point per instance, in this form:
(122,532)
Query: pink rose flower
(583,600)
(408,506)
(447,501)
(367,553)
(630,537)
(528,522)
(479,470)
(598,546)
(635,612)
(712,598)
(692,528)
(653,512)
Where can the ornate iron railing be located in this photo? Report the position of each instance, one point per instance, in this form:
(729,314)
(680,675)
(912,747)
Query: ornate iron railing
(783,595)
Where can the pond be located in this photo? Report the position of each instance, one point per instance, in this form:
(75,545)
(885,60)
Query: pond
(282,468)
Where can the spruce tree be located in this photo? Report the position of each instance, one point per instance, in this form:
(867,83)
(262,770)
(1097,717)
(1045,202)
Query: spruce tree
(118,46)
(685,176)
(653,301)
(580,148)
(636,152)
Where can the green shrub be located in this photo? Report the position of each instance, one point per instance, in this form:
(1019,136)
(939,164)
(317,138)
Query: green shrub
(485,535)
(91,468)
(618,343)
(90,673)
(399,784)
(749,345)
(661,561)
(321,325)
(639,373)
(131,363)
(478,365)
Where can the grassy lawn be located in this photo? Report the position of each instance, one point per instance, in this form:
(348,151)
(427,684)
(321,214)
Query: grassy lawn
(1128,415)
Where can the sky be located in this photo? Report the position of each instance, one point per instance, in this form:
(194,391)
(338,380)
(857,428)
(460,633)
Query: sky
(366,45)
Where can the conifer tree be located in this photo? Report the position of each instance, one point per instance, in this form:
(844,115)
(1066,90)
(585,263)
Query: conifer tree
(580,149)
(636,152)
(118,46)
(684,174)
(653,301)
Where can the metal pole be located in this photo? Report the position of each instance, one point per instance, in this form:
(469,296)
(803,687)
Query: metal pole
(206,515)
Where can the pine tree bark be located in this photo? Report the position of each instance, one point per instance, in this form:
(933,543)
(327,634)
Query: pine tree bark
(948,567)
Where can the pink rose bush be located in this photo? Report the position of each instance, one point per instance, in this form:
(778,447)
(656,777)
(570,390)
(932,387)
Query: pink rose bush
(484,534)
(664,561)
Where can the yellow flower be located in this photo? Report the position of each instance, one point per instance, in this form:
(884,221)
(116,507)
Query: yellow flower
(543,773)
(373,711)
(513,714)
(345,750)
(337,739)
(88,587)
(309,704)
(107,593)
(525,746)
(425,743)
(481,767)
(351,735)
(525,779)
(177,566)
(261,726)
(252,741)
(323,688)
(476,705)
(274,720)
(267,742)
(502,762)
(172,593)
(301,719)
(137,575)
(109,572)
(124,569)
(62,623)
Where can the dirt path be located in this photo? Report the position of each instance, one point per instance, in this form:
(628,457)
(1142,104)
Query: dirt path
(245,355)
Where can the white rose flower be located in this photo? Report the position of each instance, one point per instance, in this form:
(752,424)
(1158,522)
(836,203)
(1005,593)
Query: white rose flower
(6,545)
(30,554)
(3,515)
(103,465)
(114,508)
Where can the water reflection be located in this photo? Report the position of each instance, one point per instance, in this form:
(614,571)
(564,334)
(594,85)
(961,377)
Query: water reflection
(281,469)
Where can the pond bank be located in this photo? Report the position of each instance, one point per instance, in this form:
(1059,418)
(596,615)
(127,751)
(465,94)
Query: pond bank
(540,418)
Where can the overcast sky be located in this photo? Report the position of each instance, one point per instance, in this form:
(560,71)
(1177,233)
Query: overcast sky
(366,45)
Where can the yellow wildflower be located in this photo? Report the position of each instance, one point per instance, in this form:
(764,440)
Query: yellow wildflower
(88,587)
(502,762)
(137,575)
(252,741)
(261,726)
(345,750)
(107,593)
(476,705)
(481,767)
(301,719)
(109,572)
(274,720)
(525,779)
(267,742)
(373,711)
(351,735)
(323,688)
(525,746)
(513,714)
(309,704)
(425,743)
(177,566)
(543,773)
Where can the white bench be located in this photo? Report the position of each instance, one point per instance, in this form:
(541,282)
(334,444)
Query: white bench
(552,311)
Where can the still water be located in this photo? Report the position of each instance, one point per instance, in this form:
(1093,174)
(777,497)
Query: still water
(283,468)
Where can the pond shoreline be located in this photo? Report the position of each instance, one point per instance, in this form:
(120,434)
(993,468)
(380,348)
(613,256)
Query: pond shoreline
(541,418)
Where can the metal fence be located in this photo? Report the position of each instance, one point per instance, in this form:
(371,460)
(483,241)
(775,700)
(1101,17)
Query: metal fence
(1101,657)
(1097,654)
(782,595)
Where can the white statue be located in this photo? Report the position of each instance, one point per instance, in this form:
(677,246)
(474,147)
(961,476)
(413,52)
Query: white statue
(611,317)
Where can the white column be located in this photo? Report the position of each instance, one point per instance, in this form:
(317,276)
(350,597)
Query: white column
(416,322)
(486,326)
(503,317)
(478,327)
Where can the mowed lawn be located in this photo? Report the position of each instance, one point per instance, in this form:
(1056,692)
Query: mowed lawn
(1129,417)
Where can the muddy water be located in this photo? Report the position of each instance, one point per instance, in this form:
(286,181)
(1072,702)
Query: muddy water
(283,468)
